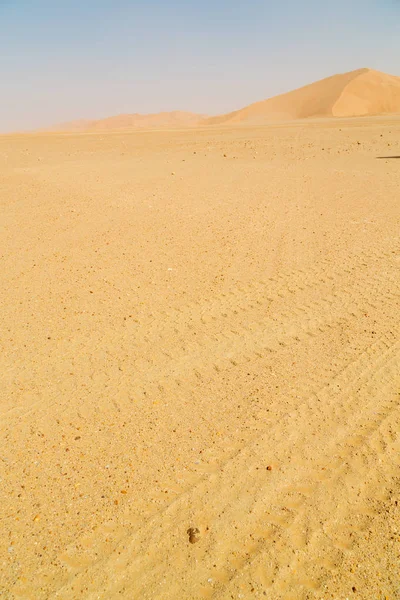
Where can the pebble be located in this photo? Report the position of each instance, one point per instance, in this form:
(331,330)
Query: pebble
(193,534)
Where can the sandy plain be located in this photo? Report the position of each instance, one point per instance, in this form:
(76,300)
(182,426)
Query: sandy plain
(200,363)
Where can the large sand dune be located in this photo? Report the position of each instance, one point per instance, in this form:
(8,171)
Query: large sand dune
(199,363)
(358,93)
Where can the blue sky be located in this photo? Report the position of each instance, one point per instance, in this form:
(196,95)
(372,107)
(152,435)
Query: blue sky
(68,59)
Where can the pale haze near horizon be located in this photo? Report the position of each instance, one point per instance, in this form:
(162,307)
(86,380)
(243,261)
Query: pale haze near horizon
(61,62)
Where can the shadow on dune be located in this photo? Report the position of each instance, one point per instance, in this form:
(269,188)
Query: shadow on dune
(387,157)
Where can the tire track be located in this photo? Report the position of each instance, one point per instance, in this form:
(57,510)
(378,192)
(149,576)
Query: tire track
(291,322)
(235,475)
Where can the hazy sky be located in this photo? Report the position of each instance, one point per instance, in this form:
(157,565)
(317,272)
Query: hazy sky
(68,59)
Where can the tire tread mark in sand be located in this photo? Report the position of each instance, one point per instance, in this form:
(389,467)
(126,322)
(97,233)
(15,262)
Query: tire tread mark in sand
(353,298)
(251,337)
(326,492)
(286,285)
(249,454)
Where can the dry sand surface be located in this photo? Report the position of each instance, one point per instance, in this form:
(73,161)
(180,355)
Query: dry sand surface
(200,364)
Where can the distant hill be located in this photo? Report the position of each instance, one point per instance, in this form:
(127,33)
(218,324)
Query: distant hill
(358,93)
(174,119)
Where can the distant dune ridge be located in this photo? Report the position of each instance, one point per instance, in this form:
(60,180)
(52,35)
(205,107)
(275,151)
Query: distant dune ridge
(162,119)
(134,121)
(358,93)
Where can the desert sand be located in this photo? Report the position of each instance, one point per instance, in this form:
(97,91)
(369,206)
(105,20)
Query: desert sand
(200,363)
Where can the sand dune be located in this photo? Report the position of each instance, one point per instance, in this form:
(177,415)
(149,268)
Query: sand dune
(174,119)
(199,364)
(358,93)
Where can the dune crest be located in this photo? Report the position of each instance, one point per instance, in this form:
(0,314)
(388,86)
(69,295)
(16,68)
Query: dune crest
(357,93)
